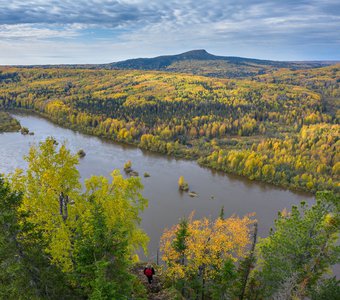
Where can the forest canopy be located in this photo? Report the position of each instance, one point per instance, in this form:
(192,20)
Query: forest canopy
(281,127)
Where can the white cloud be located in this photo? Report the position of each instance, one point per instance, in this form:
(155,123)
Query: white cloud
(37,31)
(116,29)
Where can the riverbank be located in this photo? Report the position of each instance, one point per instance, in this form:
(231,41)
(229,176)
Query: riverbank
(167,205)
(263,131)
(179,151)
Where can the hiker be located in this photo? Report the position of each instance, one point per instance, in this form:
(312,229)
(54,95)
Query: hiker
(149,271)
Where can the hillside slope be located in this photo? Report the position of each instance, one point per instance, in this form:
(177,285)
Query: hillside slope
(199,62)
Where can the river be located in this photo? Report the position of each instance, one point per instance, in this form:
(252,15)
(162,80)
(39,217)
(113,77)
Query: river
(166,204)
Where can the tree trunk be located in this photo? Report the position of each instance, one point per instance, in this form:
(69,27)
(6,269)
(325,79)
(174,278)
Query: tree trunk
(250,258)
(63,209)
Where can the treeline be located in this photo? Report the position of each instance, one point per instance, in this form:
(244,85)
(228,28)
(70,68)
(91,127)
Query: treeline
(59,240)
(176,114)
(310,160)
(8,123)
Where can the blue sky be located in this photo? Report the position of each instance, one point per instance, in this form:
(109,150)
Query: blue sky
(101,31)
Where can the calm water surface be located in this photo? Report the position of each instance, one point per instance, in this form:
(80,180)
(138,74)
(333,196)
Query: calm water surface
(166,204)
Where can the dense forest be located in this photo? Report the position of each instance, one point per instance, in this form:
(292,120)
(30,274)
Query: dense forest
(281,127)
(324,81)
(61,241)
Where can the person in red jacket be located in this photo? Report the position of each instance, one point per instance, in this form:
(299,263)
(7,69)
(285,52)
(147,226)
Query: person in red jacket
(149,271)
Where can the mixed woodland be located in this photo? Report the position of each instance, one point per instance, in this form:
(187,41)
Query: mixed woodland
(61,241)
(281,127)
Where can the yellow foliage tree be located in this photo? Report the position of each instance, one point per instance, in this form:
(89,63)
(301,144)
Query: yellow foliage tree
(208,244)
(50,196)
(182,184)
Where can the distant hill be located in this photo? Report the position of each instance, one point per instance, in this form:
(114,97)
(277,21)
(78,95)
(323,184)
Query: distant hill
(203,63)
(200,62)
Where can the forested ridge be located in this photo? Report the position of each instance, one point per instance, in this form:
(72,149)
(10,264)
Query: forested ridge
(200,62)
(281,127)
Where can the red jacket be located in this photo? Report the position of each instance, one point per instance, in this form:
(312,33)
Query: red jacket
(149,272)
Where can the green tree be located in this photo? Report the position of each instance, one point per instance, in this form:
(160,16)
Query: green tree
(179,245)
(90,238)
(14,279)
(25,270)
(326,288)
(51,191)
(180,241)
(222,213)
(223,284)
(302,246)
(109,235)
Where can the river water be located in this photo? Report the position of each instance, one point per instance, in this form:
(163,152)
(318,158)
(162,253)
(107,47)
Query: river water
(166,204)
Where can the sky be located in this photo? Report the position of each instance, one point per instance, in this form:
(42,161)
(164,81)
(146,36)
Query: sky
(103,31)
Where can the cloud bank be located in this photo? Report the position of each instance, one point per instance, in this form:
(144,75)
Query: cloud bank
(96,31)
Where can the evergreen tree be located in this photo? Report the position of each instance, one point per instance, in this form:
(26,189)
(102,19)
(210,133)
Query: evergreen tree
(180,241)
(303,245)
(25,270)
